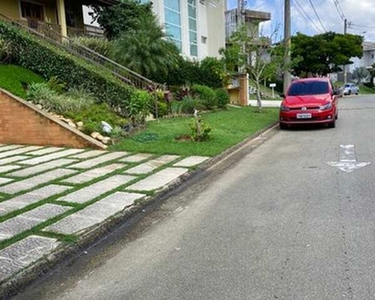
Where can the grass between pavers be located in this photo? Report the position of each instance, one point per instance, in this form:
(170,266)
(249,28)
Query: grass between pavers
(38,230)
(12,79)
(229,127)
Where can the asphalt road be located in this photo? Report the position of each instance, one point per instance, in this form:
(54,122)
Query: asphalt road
(274,223)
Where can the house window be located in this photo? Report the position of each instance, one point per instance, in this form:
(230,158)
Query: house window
(372,56)
(193,36)
(173,21)
(32,11)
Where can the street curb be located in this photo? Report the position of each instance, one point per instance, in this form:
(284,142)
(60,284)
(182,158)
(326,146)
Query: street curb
(97,233)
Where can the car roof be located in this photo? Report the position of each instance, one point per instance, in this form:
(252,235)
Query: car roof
(323,79)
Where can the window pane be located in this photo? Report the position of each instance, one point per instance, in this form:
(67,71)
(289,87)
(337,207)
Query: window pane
(193,50)
(308,88)
(174,4)
(192,2)
(192,24)
(172,17)
(173,31)
(192,12)
(193,37)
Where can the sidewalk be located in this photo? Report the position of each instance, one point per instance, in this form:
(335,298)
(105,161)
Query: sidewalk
(266,103)
(49,197)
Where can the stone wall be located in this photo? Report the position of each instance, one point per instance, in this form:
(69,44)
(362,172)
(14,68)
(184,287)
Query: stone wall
(23,123)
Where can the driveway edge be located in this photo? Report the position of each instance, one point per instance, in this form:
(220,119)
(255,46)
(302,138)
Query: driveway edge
(97,233)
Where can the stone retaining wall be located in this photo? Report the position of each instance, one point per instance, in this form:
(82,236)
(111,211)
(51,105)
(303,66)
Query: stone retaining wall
(23,123)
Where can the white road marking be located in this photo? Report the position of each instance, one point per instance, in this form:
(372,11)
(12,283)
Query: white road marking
(348,161)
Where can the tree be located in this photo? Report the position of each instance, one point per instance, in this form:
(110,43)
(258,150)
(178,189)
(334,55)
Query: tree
(360,74)
(121,18)
(325,53)
(254,54)
(146,50)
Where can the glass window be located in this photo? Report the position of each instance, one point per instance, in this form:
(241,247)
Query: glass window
(308,88)
(172,17)
(192,24)
(173,31)
(193,37)
(173,4)
(32,11)
(193,50)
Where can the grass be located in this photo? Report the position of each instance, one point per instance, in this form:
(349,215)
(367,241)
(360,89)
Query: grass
(14,79)
(265,90)
(366,90)
(229,127)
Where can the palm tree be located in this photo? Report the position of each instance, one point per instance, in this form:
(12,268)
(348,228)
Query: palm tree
(147,50)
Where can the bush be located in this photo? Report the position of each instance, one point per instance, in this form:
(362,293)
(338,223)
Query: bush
(139,107)
(50,61)
(97,44)
(4,51)
(199,129)
(369,84)
(206,95)
(71,103)
(222,98)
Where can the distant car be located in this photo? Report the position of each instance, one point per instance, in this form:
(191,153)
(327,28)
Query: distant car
(350,88)
(310,100)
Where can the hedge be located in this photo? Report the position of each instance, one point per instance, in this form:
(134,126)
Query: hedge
(50,61)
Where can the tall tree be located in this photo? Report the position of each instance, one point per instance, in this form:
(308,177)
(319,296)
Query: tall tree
(360,74)
(324,53)
(146,50)
(120,18)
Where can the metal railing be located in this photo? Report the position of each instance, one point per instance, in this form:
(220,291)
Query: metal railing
(48,33)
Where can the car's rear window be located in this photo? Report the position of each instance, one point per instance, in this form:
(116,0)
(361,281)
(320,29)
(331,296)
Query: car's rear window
(308,88)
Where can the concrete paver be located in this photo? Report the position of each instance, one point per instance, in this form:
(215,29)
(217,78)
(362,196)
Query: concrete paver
(191,161)
(22,253)
(32,197)
(137,157)
(95,213)
(99,188)
(88,154)
(42,167)
(46,151)
(12,159)
(98,160)
(93,174)
(8,168)
(5,180)
(158,179)
(30,219)
(48,157)
(34,181)
(18,151)
(10,147)
(151,165)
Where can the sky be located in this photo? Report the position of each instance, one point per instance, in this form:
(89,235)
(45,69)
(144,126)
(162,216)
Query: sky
(329,17)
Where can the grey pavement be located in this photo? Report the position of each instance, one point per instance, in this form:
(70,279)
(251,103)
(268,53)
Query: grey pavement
(265,103)
(273,222)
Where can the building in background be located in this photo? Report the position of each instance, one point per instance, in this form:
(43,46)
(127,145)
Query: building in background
(197,27)
(252,20)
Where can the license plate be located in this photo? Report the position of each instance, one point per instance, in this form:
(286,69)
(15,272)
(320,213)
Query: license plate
(304,116)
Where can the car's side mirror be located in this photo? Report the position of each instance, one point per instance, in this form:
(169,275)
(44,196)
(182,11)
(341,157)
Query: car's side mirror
(282,95)
(335,92)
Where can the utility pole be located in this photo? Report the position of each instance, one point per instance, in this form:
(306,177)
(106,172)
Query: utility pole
(287,45)
(346,24)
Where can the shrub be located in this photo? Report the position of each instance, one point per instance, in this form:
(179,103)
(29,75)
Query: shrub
(97,44)
(40,93)
(206,95)
(49,61)
(139,107)
(4,51)
(222,97)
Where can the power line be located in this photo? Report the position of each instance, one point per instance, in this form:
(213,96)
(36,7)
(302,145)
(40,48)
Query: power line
(339,9)
(306,16)
(316,13)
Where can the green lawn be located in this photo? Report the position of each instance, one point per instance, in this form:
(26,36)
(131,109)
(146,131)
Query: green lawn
(366,90)
(12,79)
(228,128)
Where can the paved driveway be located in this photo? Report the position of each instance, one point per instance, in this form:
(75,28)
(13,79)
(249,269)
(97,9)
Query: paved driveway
(49,195)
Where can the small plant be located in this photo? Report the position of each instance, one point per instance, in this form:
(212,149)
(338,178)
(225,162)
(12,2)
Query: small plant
(55,84)
(138,107)
(199,129)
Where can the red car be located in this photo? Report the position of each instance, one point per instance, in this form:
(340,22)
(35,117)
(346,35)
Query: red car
(309,101)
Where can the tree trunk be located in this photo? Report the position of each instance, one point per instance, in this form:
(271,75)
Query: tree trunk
(259,98)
